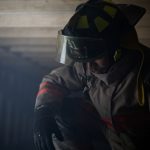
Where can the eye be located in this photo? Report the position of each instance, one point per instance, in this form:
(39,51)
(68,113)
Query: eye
(94,65)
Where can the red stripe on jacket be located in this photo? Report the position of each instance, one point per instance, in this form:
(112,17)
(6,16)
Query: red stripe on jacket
(48,88)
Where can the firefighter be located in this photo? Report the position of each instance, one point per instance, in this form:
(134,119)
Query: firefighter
(100,98)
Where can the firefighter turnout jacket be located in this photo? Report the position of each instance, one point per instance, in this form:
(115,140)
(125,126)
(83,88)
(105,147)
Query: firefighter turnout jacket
(121,96)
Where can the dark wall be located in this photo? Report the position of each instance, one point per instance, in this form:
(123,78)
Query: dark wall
(18,88)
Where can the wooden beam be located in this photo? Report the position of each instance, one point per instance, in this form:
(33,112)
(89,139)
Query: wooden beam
(45,13)
(49,32)
(145,42)
(38,5)
(144,22)
(51,5)
(14,60)
(33,49)
(31,32)
(56,20)
(28,41)
(27,19)
(143,32)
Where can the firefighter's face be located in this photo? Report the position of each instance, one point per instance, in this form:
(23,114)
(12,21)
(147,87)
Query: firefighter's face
(100,65)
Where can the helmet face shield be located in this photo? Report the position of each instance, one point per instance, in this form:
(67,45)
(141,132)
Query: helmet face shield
(62,56)
(80,49)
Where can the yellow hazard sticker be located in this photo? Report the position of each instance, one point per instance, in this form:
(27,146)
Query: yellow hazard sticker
(83,23)
(111,11)
(100,23)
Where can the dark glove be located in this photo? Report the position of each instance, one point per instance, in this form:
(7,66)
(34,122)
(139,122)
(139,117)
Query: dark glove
(44,126)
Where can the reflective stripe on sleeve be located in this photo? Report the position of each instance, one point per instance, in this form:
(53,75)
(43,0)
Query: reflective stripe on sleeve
(48,88)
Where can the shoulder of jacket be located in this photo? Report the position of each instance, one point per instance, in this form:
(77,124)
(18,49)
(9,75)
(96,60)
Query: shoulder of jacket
(59,69)
(76,71)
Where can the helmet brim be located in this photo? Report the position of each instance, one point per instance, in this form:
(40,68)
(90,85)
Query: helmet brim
(132,12)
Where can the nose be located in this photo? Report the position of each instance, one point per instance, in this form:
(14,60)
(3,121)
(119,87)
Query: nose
(101,62)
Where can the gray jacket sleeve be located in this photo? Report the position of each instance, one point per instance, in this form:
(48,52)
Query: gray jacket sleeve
(58,84)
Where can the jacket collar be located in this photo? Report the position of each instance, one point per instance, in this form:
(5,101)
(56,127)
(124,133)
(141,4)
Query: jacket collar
(130,60)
